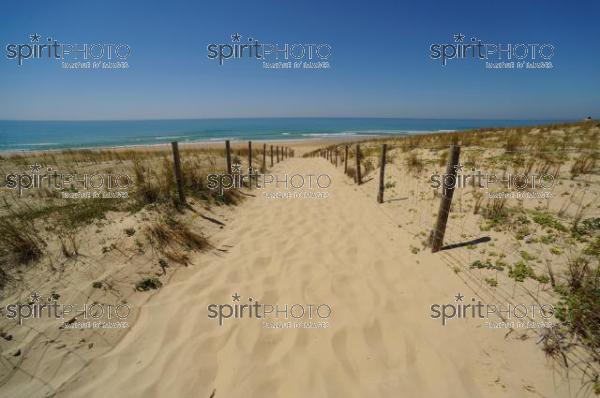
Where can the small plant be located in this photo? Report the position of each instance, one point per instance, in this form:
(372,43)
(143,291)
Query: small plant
(521,271)
(556,251)
(546,220)
(485,265)
(484,227)
(521,233)
(97,285)
(493,282)
(593,248)
(148,284)
(414,163)
(526,256)
(478,195)
(69,246)
(496,211)
(548,239)
(130,231)
(584,164)
(582,230)
(20,240)
(579,306)
(171,236)
(163,265)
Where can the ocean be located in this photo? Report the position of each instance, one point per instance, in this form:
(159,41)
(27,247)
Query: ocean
(49,135)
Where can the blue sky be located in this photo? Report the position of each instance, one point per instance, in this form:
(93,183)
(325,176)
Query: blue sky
(380,65)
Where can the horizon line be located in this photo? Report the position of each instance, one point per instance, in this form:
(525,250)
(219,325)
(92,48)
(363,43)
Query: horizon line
(288,117)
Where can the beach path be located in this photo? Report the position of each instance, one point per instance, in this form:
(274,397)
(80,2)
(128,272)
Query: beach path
(342,251)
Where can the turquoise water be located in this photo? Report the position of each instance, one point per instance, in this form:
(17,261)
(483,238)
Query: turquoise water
(42,135)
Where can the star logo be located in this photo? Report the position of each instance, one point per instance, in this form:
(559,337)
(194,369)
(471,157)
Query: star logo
(236,168)
(459,37)
(236,297)
(35,168)
(236,37)
(35,297)
(35,38)
(459,297)
(458,168)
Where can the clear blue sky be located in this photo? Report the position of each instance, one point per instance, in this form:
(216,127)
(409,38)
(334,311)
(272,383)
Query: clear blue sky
(380,61)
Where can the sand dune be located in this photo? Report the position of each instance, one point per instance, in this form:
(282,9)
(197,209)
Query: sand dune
(342,251)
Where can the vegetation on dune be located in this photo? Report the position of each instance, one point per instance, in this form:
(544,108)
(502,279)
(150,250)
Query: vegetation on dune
(565,239)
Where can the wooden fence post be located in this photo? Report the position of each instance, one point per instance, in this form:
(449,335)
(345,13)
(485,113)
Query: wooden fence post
(178,173)
(382,173)
(264,164)
(346,160)
(336,157)
(437,236)
(271,155)
(228,155)
(357,174)
(277,148)
(250,171)
(249,155)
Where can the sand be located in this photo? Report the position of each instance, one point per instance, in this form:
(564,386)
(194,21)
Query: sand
(343,251)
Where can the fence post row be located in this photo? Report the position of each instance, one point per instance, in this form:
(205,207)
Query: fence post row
(357,174)
(382,174)
(178,173)
(437,236)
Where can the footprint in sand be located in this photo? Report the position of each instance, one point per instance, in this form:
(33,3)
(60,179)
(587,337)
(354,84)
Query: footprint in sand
(339,345)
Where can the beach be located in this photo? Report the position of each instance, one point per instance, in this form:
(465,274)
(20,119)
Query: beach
(363,284)
(379,341)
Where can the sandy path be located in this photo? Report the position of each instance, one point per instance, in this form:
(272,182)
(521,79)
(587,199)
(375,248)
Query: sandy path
(342,251)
